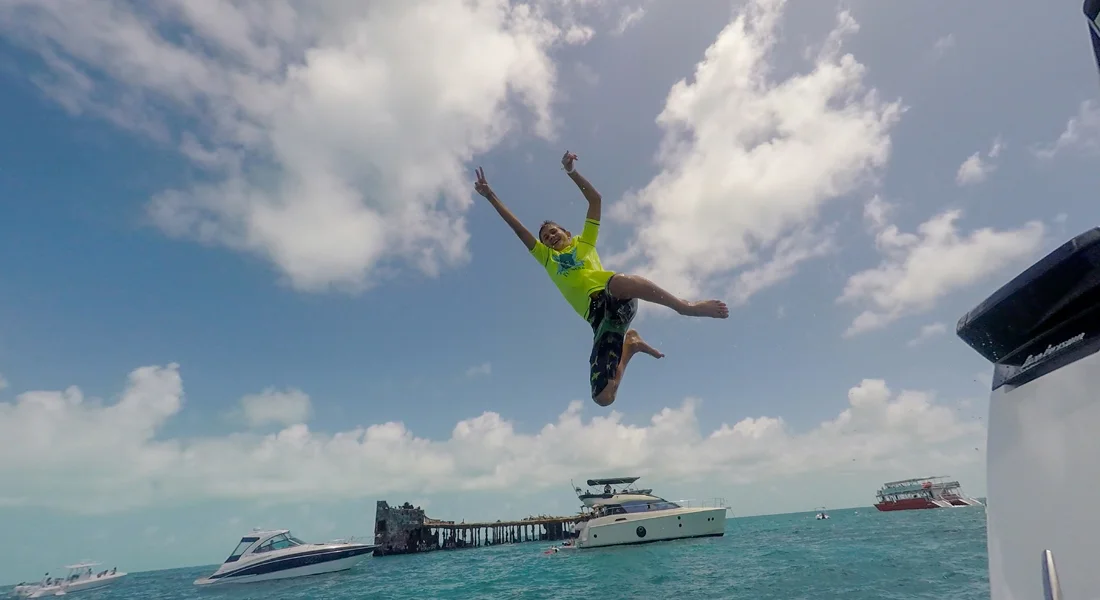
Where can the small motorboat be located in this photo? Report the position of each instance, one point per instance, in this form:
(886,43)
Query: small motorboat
(566,545)
(821,515)
(276,554)
(80,578)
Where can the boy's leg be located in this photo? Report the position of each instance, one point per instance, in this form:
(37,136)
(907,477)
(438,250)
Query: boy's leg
(623,286)
(613,346)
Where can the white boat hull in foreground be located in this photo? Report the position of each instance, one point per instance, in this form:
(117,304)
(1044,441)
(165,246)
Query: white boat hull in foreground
(1041,332)
(641,528)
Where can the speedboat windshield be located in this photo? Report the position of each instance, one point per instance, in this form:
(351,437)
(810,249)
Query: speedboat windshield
(279,542)
(241,547)
(296,541)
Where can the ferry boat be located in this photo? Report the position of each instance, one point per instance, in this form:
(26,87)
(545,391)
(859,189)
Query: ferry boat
(922,492)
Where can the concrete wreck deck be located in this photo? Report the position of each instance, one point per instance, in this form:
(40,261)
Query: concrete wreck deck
(406,529)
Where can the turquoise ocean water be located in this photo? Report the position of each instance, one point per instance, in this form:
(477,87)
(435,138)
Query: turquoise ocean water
(856,554)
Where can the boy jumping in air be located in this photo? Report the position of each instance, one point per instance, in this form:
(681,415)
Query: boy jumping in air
(607,300)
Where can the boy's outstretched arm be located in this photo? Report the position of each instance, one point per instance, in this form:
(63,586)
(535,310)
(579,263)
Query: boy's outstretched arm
(482,187)
(586,188)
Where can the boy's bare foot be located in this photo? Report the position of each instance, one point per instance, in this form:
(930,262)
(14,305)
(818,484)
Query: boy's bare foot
(634,344)
(707,308)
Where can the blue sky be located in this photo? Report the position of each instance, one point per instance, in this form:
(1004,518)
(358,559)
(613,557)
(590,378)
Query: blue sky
(270,245)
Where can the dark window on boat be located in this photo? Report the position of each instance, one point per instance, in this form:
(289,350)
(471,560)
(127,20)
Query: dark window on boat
(276,543)
(241,547)
(281,542)
(642,506)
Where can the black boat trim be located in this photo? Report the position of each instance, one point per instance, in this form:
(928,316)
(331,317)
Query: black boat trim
(295,561)
(1044,319)
(1092,13)
(646,492)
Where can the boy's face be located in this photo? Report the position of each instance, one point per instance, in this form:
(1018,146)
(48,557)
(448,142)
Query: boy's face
(554,236)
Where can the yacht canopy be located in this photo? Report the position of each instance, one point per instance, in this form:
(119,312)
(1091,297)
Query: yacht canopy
(613,481)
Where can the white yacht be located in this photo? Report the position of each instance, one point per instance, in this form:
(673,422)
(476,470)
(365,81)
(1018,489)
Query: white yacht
(80,578)
(632,516)
(276,554)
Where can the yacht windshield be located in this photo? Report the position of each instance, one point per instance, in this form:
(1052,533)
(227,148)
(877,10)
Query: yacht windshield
(296,542)
(241,547)
(638,506)
(643,506)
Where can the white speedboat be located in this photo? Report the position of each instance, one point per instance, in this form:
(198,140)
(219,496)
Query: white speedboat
(821,514)
(80,578)
(633,517)
(276,554)
(1041,333)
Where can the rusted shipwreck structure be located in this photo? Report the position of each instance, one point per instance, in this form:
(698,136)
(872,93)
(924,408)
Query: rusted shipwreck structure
(405,529)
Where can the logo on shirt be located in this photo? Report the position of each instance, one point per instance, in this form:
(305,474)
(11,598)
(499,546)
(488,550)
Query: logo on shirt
(567,261)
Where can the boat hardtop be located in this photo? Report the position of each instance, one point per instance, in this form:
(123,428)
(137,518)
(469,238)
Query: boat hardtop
(591,497)
(918,483)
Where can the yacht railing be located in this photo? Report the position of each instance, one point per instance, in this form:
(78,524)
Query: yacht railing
(704,503)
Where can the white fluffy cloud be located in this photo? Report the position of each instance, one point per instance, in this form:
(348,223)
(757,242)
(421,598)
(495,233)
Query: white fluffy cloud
(276,407)
(976,169)
(928,332)
(748,161)
(334,134)
(53,442)
(1082,133)
(920,268)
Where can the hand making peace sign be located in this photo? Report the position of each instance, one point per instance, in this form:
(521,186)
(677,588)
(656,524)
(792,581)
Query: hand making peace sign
(481,186)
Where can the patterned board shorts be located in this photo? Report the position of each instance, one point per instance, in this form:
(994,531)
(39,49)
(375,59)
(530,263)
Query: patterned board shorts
(610,319)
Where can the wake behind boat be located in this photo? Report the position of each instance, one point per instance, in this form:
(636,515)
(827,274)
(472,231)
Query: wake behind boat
(276,554)
(80,578)
(633,516)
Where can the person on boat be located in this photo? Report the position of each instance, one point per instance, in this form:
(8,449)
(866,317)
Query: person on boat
(606,299)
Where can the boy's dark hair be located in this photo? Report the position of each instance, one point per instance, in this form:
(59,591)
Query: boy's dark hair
(545,223)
